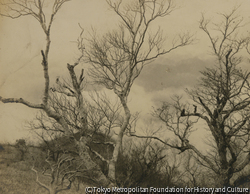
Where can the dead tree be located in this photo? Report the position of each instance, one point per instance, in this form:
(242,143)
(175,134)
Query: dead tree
(223,100)
(62,173)
(119,56)
(223,95)
(35,8)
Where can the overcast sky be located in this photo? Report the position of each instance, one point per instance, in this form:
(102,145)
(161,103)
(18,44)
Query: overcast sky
(21,41)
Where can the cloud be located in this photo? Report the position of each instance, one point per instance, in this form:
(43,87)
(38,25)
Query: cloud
(175,73)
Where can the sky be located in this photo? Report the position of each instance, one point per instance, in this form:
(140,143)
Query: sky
(22,39)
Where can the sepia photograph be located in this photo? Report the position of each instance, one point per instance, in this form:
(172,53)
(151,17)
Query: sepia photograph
(124,96)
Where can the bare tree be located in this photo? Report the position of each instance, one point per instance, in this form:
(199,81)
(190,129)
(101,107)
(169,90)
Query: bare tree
(180,127)
(221,101)
(119,56)
(142,164)
(62,173)
(193,171)
(224,97)
(103,116)
(35,8)
(174,174)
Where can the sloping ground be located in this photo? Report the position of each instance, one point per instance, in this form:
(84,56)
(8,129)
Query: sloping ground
(15,181)
(16,177)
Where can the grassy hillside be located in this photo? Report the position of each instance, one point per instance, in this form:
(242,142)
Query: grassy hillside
(16,176)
